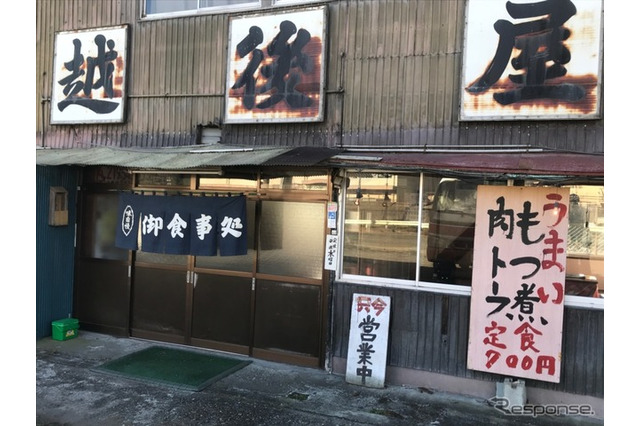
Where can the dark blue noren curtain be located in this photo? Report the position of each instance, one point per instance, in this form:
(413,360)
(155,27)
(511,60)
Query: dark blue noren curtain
(153,223)
(203,229)
(183,224)
(232,226)
(176,236)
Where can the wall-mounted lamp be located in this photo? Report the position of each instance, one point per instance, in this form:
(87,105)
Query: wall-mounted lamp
(385,202)
(358,192)
(358,197)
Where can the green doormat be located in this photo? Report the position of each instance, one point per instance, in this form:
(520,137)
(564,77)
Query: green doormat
(174,367)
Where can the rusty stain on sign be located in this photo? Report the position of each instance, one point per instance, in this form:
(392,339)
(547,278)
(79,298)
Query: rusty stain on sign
(276,67)
(532,60)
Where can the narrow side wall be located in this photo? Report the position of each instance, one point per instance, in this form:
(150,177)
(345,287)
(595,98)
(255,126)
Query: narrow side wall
(54,250)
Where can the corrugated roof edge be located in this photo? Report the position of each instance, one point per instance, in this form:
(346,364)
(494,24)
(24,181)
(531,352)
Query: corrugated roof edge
(542,163)
(174,158)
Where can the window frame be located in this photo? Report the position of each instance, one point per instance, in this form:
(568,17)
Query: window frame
(434,287)
(251,5)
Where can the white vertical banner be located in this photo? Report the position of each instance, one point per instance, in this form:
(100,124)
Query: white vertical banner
(368,340)
(517,293)
(331,252)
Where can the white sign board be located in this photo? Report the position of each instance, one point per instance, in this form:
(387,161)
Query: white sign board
(89,76)
(532,60)
(276,67)
(517,292)
(368,340)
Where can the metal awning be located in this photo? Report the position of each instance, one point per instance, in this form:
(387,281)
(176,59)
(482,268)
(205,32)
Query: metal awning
(520,163)
(303,156)
(179,158)
(461,162)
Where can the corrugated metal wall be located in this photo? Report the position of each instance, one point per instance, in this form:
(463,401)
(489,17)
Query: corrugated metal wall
(54,251)
(429,331)
(401,71)
(393,77)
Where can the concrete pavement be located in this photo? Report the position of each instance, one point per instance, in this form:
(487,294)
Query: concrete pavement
(70,392)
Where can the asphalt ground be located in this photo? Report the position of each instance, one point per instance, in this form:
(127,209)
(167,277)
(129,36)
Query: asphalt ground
(69,391)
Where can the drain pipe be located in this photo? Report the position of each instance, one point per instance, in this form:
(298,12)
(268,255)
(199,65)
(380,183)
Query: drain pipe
(42,102)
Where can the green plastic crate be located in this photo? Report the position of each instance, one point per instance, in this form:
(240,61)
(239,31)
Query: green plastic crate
(64,329)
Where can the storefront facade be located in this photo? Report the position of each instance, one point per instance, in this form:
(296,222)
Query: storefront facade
(358,175)
(268,301)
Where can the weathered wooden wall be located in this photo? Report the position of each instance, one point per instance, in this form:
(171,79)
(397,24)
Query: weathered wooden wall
(393,79)
(429,331)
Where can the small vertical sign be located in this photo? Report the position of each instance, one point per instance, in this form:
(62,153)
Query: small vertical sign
(368,340)
(331,249)
(332,212)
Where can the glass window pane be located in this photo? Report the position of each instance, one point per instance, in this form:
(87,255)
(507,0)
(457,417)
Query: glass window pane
(381,214)
(448,229)
(170,6)
(292,237)
(227,184)
(217,3)
(450,225)
(586,221)
(100,218)
(381,223)
(159,180)
(585,245)
(301,183)
(290,2)
(167,6)
(160,258)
